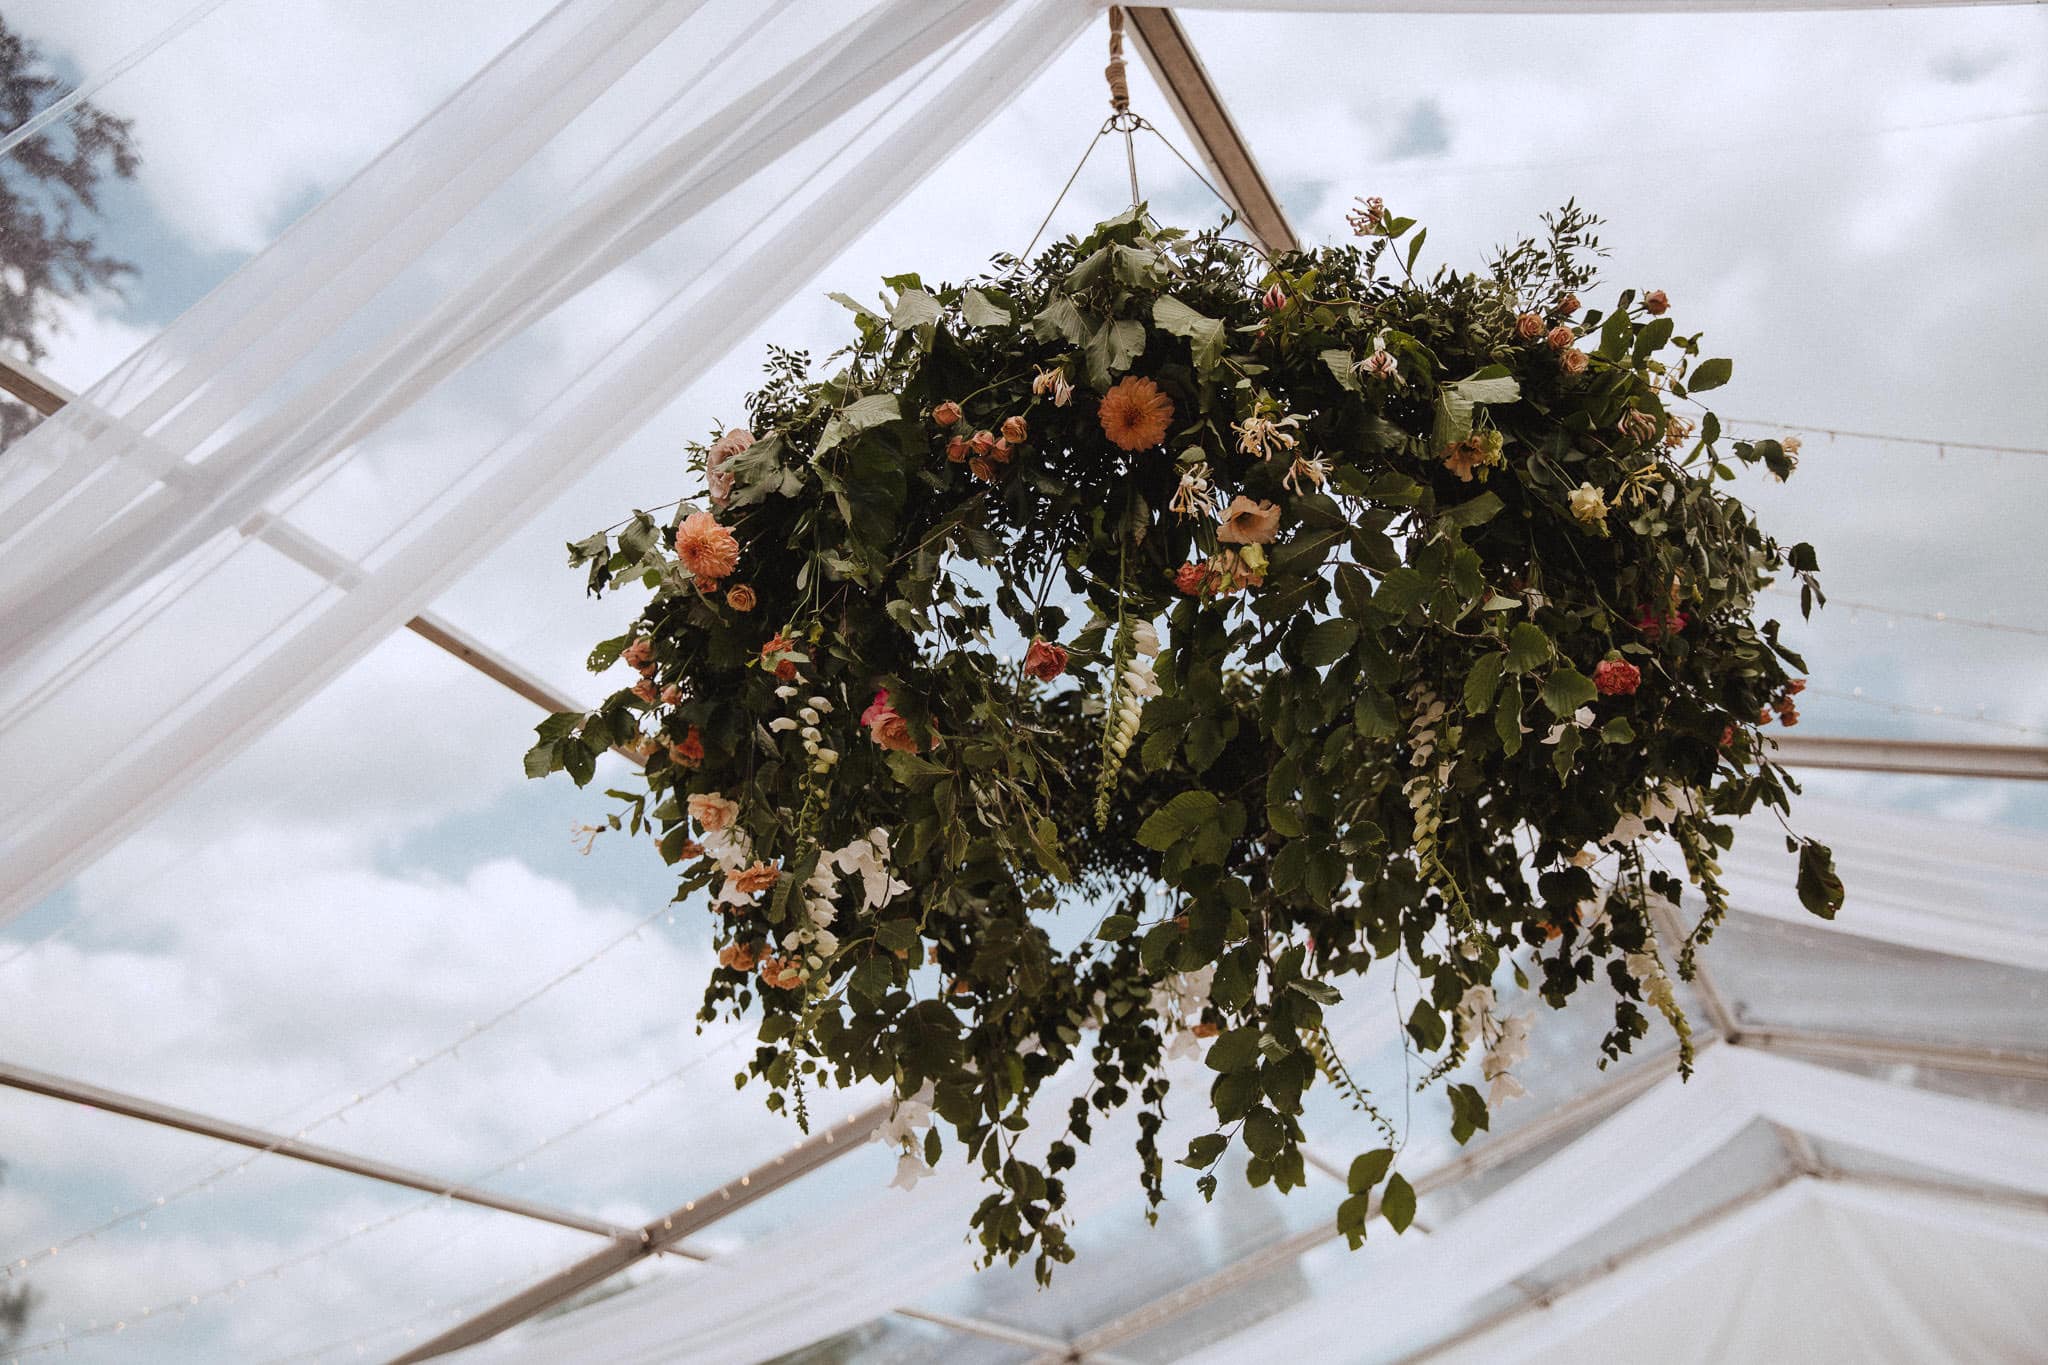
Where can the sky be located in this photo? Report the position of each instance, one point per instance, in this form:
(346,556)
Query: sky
(1847,204)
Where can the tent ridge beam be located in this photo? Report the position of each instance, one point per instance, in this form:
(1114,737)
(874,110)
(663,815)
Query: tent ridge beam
(1199,105)
(170,1116)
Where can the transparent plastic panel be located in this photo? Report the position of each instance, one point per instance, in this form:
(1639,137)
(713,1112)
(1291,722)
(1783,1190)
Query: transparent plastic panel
(1774,973)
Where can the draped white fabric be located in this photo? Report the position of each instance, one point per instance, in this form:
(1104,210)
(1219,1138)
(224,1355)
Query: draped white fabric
(506,294)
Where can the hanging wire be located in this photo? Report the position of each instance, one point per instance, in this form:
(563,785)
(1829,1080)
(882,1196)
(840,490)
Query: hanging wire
(1122,120)
(1931,443)
(1940,618)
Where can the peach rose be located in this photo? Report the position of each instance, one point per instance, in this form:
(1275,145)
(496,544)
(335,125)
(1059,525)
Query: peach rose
(1574,361)
(946,413)
(1568,305)
(1529,326)
(1656,303)
(740,597)
(751,881)
(1246,522)
(639,655)
(983,442)
(1560,337)
(644,690)
(1015,430)
(713,811)
(958,449)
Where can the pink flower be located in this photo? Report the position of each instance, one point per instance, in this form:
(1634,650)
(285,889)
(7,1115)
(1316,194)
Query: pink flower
(958,448)
(1655,626)
(1574,361)
(644,690)
(1560,337)
(1015,430)
(983,442)
(1656,303)
(1275,298)
(1191,579)
(1529,326)
(1568,305)
(1616,677)
(639,655)
(946,413)
(1043,661)
(877,708)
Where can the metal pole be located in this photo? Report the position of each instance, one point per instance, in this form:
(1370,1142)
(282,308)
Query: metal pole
(186,1120)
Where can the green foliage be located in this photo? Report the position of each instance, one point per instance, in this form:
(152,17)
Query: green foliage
(1357,730)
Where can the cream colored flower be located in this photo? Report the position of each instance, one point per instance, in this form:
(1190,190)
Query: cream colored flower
(1589,505)
(1265,436)
(1316,471)
(1195,493)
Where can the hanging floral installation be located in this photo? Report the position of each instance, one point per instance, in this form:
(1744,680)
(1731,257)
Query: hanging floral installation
(1148,647)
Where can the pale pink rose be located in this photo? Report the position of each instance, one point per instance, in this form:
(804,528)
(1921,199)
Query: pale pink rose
(716,476)
(1656,303)
(1574,361)
(1529,326)
(1560,337)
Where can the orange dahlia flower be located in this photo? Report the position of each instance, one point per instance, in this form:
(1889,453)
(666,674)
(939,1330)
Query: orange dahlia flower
(707,549)
(1135,414)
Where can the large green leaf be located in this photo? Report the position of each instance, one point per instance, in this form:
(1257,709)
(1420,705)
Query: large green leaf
(1205,334)
(1164,827)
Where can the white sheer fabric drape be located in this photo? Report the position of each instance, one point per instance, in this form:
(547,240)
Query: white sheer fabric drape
(506,294)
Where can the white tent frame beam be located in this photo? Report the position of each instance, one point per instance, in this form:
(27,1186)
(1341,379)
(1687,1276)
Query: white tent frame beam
(693,1216)
(2009,761)
(242,1135)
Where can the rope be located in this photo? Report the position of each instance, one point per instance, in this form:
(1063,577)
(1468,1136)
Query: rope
(1119,86)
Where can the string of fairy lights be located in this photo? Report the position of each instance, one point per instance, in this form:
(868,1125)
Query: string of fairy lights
(413,1067)
(179,1306)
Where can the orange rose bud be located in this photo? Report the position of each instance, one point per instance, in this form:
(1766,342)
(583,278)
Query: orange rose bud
(958,449)
(984,442)
(1015,430)
(1656,303)
(740,597)
(946,413)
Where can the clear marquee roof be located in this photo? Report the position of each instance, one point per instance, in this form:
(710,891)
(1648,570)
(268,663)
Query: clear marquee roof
(335,917)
